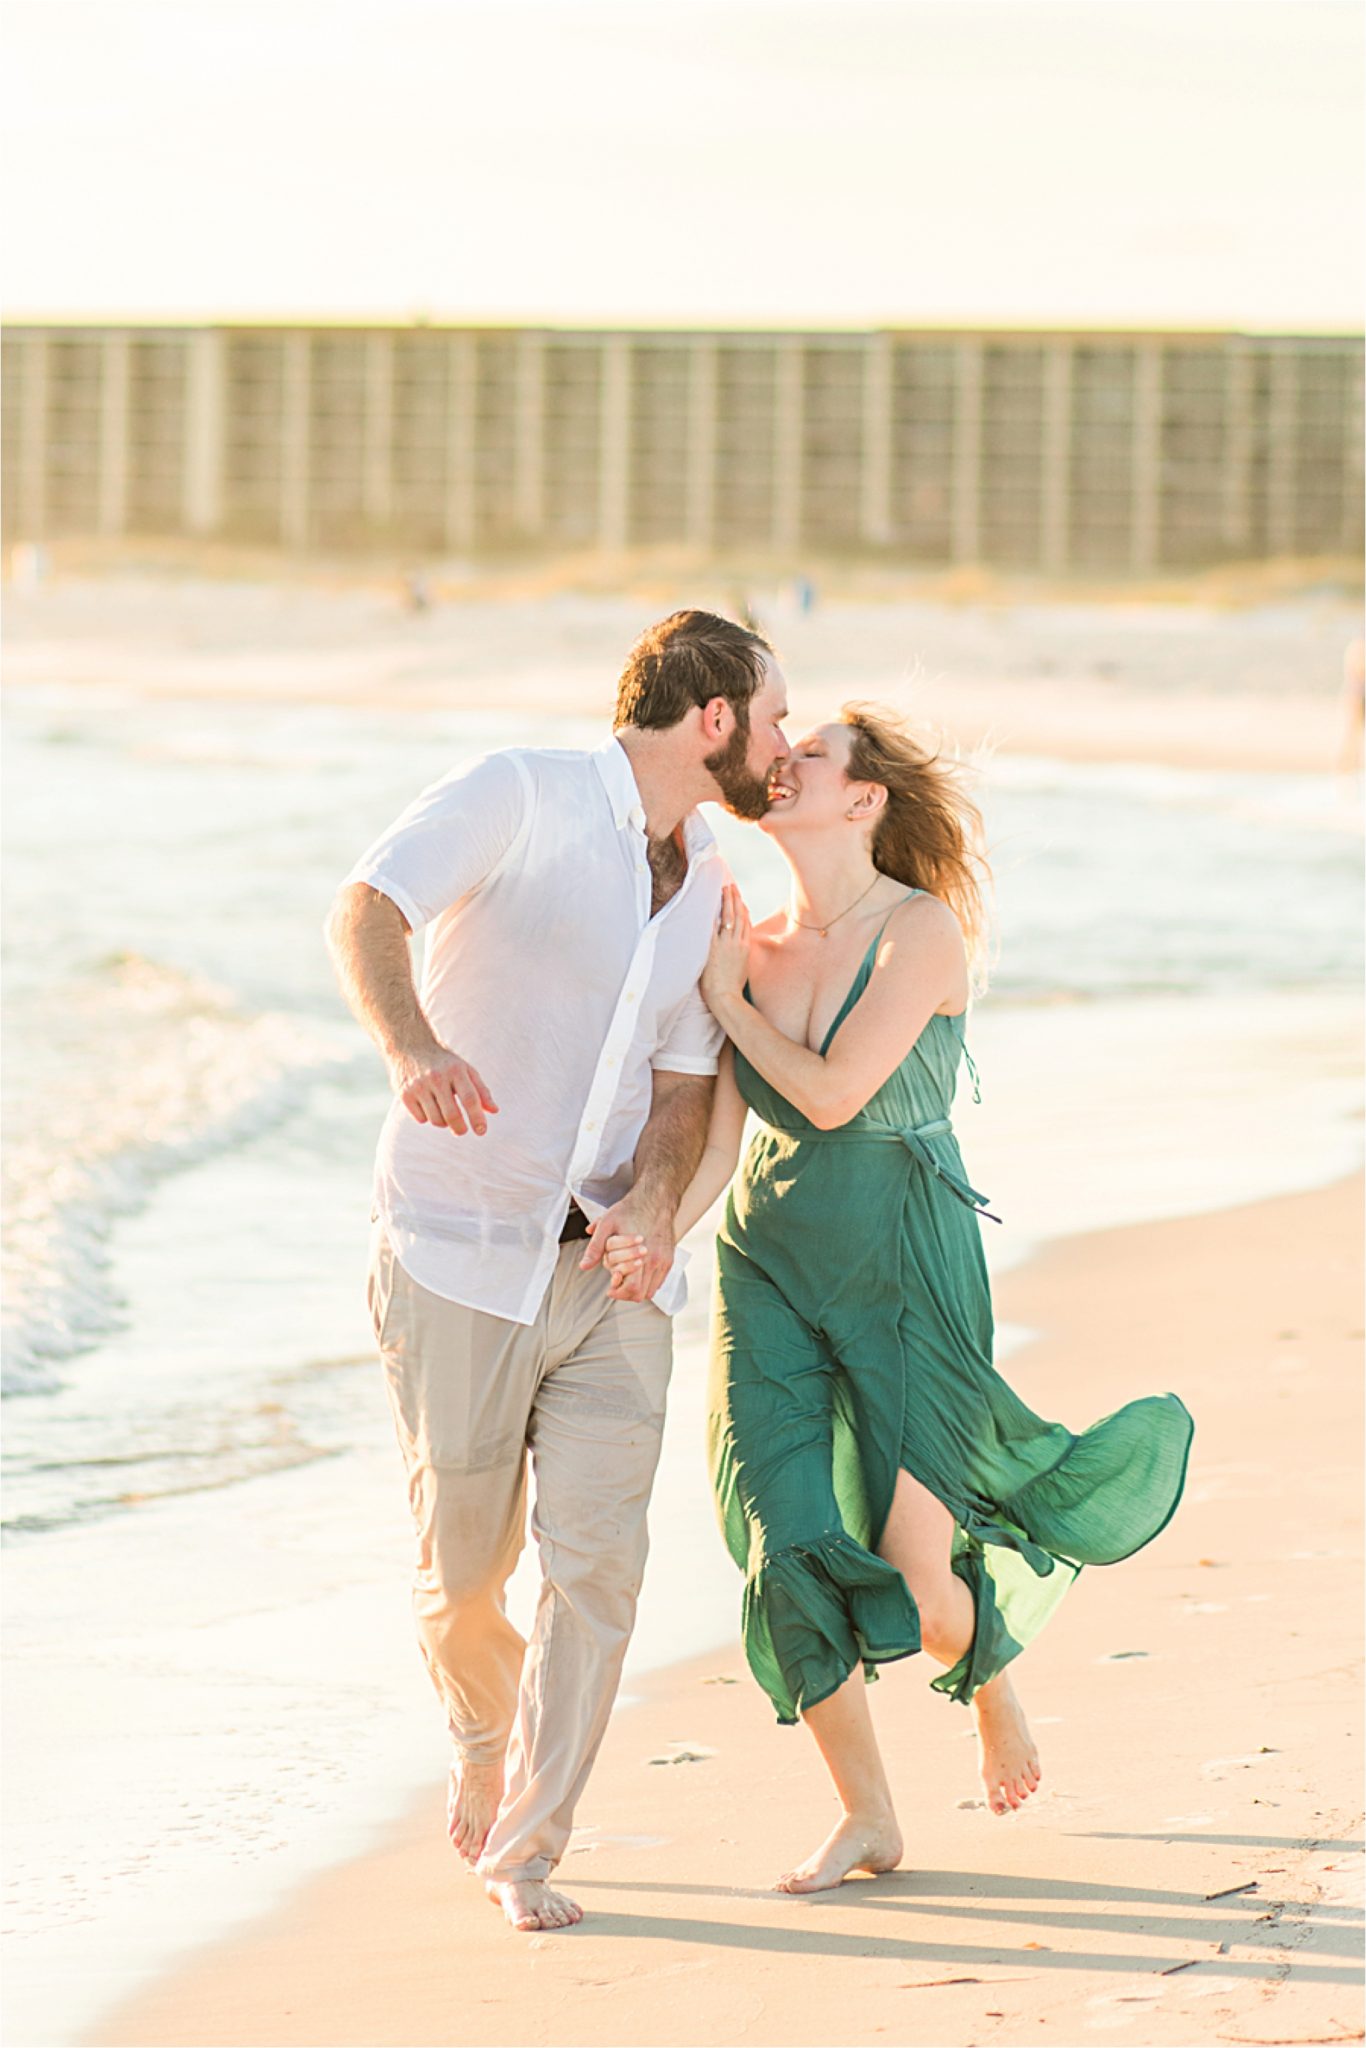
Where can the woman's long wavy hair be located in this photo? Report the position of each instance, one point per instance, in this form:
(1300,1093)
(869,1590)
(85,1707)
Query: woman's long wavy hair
(929,832)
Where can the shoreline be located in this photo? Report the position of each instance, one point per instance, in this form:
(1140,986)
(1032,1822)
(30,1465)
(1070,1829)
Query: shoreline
(674,1862)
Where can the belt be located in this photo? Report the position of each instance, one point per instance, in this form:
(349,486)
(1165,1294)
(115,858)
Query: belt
(575,1225)
(914,1137)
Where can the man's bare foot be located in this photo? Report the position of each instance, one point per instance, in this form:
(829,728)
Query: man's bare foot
(531,1906)
(1010,1762)
(858,1842)
(471,1804)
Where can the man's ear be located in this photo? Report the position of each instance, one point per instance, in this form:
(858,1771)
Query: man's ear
(718,719)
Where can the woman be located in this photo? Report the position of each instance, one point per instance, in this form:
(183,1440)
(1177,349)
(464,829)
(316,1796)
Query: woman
(882,1488)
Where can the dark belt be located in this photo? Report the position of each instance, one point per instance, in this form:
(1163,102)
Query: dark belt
(575,1225)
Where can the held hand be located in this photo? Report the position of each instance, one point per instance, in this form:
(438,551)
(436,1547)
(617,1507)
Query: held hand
(443,1090)
(623,1258)
(723,977)
(650,1231)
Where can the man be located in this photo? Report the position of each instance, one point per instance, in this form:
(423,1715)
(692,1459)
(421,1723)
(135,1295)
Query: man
(551,1085)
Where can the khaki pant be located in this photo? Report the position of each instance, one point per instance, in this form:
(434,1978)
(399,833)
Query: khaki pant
(582,1390)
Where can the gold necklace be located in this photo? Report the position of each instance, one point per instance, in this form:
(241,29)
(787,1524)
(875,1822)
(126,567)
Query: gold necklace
(824,929)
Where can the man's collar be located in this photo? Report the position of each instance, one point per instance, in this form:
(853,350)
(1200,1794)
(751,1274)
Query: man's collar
(619,780)
(613,764)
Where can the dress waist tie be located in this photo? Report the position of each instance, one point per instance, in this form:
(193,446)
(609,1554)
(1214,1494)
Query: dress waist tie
(915,1137)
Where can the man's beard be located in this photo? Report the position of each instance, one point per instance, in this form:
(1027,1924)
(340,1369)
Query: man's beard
(742,792)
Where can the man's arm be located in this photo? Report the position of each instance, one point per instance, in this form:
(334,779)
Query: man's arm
(666,1159)
(367,937)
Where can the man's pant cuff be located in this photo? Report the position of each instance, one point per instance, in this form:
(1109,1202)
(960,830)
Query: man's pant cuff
(480,1754)
(478,1750)
(505,1870)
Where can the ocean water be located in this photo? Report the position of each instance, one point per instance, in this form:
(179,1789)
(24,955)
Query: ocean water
(210,1678)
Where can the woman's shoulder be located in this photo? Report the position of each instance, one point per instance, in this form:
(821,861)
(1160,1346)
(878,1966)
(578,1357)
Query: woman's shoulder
(922,937)
(923,916)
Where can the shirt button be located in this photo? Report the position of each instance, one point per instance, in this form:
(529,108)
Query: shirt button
(630,998)
(590,1127)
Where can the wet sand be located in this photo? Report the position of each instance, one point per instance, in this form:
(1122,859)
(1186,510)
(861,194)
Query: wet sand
(1190,1871)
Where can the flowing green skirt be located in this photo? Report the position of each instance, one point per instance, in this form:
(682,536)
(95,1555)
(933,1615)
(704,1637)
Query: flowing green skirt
(853,1340)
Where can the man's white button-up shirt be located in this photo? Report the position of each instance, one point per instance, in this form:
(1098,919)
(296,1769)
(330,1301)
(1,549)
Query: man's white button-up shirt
(543,967)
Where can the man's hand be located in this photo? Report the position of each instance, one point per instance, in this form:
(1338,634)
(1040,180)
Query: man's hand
(367,936)
(650,1228)
(442,1089)
(666,1159)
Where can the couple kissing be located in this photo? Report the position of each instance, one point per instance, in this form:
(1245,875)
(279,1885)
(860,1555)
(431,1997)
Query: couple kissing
(596,1020)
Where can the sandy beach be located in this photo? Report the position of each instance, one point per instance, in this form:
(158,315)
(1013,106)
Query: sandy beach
(212,1732)
(1226,677)
(1190,1871)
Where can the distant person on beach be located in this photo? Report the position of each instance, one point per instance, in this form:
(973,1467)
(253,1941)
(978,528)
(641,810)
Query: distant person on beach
(1353,706)
(552,1085)
(743,608)
(881,1487)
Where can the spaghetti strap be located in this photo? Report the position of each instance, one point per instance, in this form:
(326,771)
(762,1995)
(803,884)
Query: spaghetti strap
(960,1018)
(877,936)
(864,971)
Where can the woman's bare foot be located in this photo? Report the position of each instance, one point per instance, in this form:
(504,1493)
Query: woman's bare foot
(1010,1762)
(471,1804)
(531,1907)
(858,1842)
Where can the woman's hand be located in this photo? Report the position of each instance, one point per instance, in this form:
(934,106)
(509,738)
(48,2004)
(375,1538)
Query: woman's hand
(623,1258)
(724,976)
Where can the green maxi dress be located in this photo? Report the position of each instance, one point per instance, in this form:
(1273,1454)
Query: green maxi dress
(853,1340)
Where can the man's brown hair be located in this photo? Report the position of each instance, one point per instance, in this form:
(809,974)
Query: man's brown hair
(688,659)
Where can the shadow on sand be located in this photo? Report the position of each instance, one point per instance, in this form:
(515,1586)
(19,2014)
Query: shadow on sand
(1251,1920)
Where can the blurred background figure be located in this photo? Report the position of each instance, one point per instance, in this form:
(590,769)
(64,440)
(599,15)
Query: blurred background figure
(28,565)
(1353,706)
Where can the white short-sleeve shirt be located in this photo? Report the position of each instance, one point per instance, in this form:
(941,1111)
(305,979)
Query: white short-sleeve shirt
(544,968)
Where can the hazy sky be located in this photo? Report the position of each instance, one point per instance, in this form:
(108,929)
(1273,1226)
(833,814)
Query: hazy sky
(773,161)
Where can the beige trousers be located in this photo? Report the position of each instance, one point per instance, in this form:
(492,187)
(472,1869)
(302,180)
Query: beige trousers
(581,1390)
